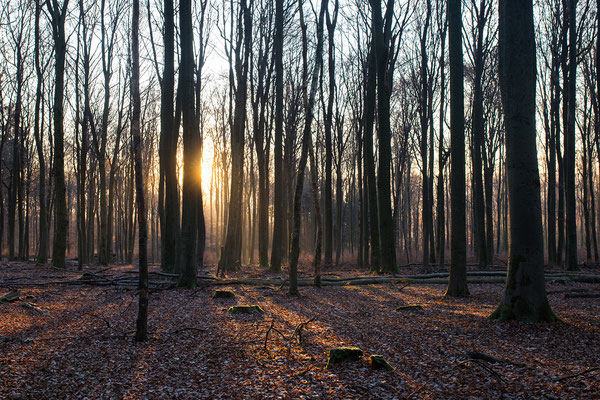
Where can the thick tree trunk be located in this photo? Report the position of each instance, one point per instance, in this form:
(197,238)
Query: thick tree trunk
(191,153)
(525,295)
(385,68)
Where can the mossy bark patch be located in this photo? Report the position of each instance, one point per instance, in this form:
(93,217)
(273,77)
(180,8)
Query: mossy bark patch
(246,309)
(223,294)
(409,307)
(341,354)
(379,362)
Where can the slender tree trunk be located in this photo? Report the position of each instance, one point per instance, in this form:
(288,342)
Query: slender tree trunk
(309,101)
(168,146)
(278,188)
(457,283)
(231,257)
(317,208)
(61,222)
(571,205)
(369,120)
(477,130)
(331,23)
(141,333)
(42,257)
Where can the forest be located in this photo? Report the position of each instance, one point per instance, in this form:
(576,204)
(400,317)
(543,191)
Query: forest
(299,199)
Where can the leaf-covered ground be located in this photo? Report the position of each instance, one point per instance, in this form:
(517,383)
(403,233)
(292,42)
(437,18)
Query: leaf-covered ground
(78,343)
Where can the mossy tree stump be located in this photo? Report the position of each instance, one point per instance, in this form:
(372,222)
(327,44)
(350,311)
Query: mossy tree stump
(379,362)
(341,354)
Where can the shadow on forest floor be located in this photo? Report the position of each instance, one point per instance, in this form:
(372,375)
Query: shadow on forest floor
(83,347)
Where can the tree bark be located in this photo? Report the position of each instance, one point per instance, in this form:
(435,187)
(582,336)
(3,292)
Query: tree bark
(191,153)
(525,295)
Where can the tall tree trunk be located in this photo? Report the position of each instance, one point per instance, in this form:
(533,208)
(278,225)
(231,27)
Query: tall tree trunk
(369,120)
(525,295)
(141,333)
(231,257)
(457,282)
(477,131)
(424,119)
(571,205)
(442,153)
(382,36)
(309,102)
(328,124)
(169,134)
(191,152)
(278,188)
(42,256)
(61,222)
(554,128)
(317,208)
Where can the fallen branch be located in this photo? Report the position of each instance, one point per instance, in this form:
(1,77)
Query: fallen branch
(11,296)
(108,325)
(476,355)
(267,334)
(487,368)
(587,371)
(33,307)
(299,328)
(187,328)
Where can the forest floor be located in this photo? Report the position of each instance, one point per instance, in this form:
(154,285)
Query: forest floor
(77,342)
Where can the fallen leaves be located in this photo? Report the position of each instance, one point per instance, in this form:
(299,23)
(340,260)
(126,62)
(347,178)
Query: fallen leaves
(83,347)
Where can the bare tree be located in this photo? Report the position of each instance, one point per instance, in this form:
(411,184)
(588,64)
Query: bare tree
(58,14)
(141,333)
(309,102)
